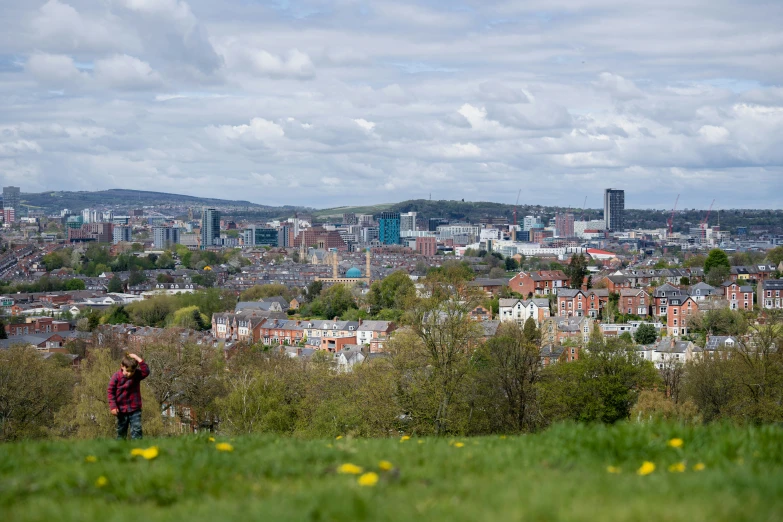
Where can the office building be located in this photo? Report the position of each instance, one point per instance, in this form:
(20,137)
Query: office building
(564,225)
(389,228)
(614,209)
(260,236)
(210,227)
(426,246)
(284,236)
(407,222)
(11,199)
(530,222)
(165,237)
(121,233)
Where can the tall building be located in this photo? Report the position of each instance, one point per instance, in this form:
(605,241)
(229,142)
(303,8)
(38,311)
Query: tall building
(530,222)
(407,222)
(614,209)
(260,236)
(121,233)
(564,225)
(165,237)
(210,227)
(284,236)
(427,246)
(11,199)
(389,228)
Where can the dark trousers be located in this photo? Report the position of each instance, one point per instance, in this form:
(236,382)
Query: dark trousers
(134,420)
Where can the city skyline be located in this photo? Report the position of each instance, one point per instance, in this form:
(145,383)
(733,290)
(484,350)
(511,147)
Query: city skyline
(353,103)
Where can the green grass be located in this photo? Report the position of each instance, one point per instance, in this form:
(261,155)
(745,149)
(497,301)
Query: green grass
(556,475)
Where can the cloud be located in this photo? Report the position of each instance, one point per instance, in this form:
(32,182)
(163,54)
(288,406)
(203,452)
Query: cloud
(57,70)
(126,72)
(364,124)
(249,60)
(258,132)
(617,86)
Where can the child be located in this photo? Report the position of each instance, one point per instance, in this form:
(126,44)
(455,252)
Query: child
(125,395)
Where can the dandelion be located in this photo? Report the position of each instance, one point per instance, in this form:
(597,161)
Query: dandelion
(349,469)
(502,437)
(459,444)
(421,441)
(368,479)
(90,459)
(149,453)
(385,465)
(612,469)
(647,468)
(211,439)
(675,443)
(101,482)
(224,446)
(699,466)
(338,437)
(678,467)
(404,438)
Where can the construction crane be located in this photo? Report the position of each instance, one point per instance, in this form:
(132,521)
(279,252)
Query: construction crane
(671,219)
(704,221)
(514,232)
(583,208)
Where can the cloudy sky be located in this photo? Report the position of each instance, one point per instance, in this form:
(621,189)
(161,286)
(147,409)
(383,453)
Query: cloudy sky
(351,102)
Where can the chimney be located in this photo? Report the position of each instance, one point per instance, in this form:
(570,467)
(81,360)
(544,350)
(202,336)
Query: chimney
(360,321)
(336,319)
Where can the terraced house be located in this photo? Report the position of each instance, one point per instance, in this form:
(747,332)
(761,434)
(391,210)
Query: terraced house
(576,303)
(543,282)
(771,294)
(520,310)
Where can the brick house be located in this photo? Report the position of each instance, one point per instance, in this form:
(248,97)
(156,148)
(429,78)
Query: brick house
(543,282)
(661,297)
(634,301)
(740,297)
(577,303)
(375,334)
(678,310)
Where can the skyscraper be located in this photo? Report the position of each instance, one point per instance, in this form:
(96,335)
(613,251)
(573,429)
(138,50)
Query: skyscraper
(564,224)
(614,209)
(210,227)
(407,222)
(11,198)
(165,237)
(389,228)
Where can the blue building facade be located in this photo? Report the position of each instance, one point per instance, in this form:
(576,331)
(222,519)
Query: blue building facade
(389,228)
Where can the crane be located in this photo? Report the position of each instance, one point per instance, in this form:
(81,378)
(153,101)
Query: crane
(583,208)
(704,222)
(671,219)
(514,233)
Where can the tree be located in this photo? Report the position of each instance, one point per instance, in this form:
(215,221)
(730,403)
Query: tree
(258,292)
(511,264)
(75,284)
(645,334)
(3,334)
(32,391)
(717,275)
(716,258)
(509,378)
(602,385)
(136,277)
(775,256)
(117,315)
(390,292)
(336,300)
(577,271)
(313,290)
(115,284)
(497,273)
(530,333)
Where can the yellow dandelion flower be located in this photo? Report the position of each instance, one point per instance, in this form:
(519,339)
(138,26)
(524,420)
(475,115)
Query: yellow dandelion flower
(368,479)
(211,439)
(101,482)
(224,446)
(675,443)
(699,466)
(420,441)
(404,438)
(338,437)
(646,468)
(149,453)
(137,452)
(459,444)
(678,467)
(90,459)
(349,469)
(612,469)
(502,437)
(385,465)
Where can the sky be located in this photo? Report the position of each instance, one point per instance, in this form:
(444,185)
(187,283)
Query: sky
(326,103)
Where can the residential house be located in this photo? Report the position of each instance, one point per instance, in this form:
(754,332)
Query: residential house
(374,334)
(771,294)
(634,301)
(678,311)
(577,303)
(543,282)
(740,297)
(661,297)
(556,330)
(519,310)
(705,292)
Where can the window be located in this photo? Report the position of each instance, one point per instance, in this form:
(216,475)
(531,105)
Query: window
(733,297)
(674,311)
(675,322)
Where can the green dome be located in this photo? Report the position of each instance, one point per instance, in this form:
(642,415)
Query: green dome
(353,272)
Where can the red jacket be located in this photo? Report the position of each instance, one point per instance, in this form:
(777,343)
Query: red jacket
(125,392)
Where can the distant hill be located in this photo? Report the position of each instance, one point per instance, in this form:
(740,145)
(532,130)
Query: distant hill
(128,199)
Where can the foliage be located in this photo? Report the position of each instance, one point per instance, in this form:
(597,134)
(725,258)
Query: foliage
(717,275)
(775,255)
(390,292)
(716,258)
(32,391)
(602,385)
(75,284)
(258,292)
(645,334)
(115,284)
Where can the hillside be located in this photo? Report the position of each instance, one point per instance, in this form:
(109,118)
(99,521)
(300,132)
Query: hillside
(568,473)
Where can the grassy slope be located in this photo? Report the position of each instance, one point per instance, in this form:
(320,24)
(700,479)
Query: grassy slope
(557,475)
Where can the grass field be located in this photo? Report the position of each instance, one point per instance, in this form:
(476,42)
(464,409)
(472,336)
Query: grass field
(560,474)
